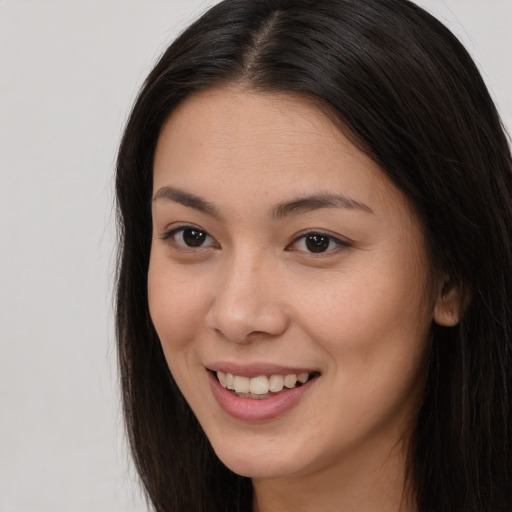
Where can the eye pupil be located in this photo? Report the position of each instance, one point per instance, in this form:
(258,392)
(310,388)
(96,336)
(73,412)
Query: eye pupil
(194,237)
(317,243)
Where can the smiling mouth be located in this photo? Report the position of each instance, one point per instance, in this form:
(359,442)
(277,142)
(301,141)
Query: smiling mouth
(263,386)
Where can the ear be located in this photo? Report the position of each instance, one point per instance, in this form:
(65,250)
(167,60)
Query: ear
(447,309)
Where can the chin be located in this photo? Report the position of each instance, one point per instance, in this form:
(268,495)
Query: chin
(262,469)
(260,464)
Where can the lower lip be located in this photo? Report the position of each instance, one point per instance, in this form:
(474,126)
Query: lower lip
(248,409)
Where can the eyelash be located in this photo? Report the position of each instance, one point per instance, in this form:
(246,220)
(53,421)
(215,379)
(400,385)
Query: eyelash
(170,236)
(338,243)
(315,236)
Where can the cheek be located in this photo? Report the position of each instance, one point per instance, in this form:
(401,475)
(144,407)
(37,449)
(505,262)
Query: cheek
(377,344)
(372,324)
(175,304)
(362,302)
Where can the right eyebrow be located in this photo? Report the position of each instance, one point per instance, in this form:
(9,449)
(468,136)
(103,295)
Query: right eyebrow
(186,199)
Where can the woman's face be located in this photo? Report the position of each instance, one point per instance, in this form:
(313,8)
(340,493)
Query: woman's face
(280,251)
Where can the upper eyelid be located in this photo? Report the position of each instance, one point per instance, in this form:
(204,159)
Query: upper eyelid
(341,243)
(175,227)
(343,240)
(169,233)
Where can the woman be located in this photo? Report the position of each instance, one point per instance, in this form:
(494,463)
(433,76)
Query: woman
(315,267)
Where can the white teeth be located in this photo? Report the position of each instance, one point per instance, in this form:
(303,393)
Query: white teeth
(290,380)
(222,378)
(242,384)
(261,385)
(258,385)
(276,383)
(303,377)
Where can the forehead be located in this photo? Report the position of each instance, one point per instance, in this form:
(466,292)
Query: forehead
(263,146)
(232,119)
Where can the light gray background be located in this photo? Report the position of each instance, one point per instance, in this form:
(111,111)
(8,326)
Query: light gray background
(69,70)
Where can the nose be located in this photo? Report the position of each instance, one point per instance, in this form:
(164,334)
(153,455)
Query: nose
(248,301)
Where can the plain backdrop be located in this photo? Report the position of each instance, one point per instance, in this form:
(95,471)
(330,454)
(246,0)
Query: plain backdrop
(69,71)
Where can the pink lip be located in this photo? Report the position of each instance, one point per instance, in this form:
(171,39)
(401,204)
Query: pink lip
(254,410)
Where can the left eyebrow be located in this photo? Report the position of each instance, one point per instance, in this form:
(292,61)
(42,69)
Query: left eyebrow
(316,202)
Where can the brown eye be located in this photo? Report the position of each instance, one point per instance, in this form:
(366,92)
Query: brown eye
(189,237)
(194,237)
(317,243)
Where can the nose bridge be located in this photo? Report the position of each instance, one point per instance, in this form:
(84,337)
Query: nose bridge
(247,300)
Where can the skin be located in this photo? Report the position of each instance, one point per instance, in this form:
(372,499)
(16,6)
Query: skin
(360,312)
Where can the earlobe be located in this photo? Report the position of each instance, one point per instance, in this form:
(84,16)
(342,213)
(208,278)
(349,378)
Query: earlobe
(447,309)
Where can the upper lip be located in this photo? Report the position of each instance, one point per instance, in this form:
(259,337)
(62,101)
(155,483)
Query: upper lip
(256,369)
